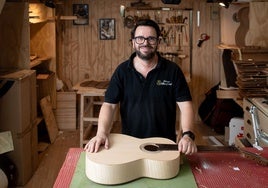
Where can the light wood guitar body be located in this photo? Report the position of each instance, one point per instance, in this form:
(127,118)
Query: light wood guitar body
(127,160)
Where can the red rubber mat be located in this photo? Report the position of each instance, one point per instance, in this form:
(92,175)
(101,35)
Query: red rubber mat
(66,172)
(227,169)
(211,170)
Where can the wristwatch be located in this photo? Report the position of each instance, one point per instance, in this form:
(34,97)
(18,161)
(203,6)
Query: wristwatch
(190,134)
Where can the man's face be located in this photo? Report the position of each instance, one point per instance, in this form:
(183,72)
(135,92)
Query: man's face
(148,48)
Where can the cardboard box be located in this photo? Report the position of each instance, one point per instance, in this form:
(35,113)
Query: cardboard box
(65,112)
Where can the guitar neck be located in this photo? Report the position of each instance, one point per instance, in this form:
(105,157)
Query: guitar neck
(162,147)
(200,148)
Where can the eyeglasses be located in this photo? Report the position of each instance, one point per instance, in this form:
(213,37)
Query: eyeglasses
(141,40)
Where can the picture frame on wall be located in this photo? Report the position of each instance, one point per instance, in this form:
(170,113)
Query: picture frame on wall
(107,28)
(81,11)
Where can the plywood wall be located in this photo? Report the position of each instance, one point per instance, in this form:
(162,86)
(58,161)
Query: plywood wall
(14,36)
(80,53)
(43,33)
(207,58)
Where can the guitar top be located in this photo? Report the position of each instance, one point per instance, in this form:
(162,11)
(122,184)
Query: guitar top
(127,159)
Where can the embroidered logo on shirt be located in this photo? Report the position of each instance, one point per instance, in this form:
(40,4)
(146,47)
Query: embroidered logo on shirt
(163,83)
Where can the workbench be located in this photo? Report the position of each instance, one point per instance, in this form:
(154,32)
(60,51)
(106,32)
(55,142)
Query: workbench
(90,92)
(208,169)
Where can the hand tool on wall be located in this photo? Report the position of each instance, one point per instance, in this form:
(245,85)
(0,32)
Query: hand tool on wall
(184,28)
(203,37)
(165,34)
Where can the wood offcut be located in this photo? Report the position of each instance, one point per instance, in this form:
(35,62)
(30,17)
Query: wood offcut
(49,117)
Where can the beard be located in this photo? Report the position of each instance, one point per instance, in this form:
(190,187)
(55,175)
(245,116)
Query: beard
(147,56)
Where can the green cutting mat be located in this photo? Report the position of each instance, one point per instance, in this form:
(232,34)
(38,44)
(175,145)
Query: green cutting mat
(184,179)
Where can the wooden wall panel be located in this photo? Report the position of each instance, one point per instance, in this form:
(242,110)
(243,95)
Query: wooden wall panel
(14,36)
(258,24)
(2,2)
(206,59)
(84,55)
(43,33)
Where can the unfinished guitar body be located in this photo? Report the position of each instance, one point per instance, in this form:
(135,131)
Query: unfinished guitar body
(127,160)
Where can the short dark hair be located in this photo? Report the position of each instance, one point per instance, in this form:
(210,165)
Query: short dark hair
(146,22)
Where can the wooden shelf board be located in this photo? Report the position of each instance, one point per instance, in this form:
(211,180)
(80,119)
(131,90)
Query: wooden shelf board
(38,61)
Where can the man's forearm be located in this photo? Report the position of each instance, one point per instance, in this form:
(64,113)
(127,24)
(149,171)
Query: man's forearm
(187,116)
(106,118)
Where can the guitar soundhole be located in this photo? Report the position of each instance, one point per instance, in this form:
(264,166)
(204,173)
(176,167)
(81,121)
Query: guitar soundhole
(151,148)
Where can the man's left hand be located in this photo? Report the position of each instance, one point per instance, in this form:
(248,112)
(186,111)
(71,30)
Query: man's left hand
(187,146)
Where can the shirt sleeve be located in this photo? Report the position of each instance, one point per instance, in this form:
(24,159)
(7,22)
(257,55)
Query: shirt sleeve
(182,91)
(113,93)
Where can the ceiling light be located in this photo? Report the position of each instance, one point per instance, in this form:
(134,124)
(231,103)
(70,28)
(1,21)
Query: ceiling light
(225,3)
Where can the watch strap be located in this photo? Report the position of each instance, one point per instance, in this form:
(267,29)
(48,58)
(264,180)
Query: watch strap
(190,134)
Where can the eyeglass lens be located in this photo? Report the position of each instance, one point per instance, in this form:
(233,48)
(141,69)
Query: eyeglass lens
(141,40)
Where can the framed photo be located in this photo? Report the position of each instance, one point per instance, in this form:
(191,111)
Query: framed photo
(107,29)
(81,11)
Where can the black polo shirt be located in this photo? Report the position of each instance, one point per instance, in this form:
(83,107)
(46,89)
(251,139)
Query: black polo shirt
(148,105)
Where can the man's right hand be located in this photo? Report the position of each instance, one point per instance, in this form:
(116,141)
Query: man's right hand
(94,144)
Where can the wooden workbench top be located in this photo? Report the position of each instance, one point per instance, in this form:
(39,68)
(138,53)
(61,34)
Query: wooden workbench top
(91,87)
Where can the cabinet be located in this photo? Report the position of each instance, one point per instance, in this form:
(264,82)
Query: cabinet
(176,32)
(18,115)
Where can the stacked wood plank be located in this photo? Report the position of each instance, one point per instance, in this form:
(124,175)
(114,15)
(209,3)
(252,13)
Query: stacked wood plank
(252,78)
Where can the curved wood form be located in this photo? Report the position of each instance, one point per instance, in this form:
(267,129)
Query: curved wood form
(127,160)
(243,28)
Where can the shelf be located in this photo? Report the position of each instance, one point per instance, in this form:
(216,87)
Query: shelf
(91,119)
(39,13)
(155,8)
(68,18)
(42,21)
(38,61)
(225,46)
(37,21)
(248,49)
(173,24)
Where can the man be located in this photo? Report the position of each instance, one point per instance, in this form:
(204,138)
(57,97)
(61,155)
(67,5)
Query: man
(148,88)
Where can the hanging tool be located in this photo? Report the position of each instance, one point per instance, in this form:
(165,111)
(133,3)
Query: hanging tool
(184,27)
(203,37)
(165,34)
